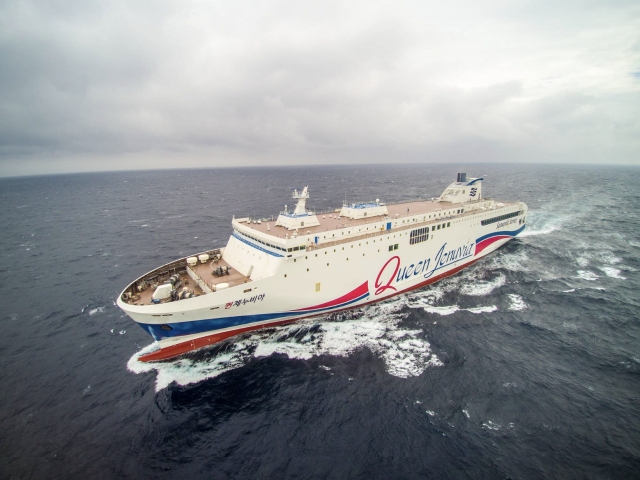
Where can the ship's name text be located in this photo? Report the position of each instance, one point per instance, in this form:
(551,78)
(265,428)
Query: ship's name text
(394,272)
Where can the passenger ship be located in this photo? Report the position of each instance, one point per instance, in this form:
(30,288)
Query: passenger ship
(305,264)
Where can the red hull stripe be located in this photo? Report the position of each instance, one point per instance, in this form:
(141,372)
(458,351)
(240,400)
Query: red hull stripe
(180,348)
(352,295)
(485,243)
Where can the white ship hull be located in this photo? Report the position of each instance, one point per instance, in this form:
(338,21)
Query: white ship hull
(395,256)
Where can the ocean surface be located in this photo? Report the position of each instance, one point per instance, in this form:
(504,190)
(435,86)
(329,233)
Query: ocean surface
(525,366)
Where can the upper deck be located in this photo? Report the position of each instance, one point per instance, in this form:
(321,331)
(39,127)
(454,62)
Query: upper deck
(421,210)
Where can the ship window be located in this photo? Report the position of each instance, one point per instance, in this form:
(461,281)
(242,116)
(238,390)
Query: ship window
(448,224)
(285,275)
(294,260)
(438,227)
(288,249)
(499,218)
(391,248)
(317,287)
(303,247)
(295,249)
(307,269)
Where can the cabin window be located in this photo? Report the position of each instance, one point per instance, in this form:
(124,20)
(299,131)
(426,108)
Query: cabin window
(295,249)
(288,249)
(395,247)
(318,287)
(391,248)
(448,224)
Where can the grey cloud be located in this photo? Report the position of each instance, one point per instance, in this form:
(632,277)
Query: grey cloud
(151,83)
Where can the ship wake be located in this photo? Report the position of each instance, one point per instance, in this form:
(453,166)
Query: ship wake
(404,351)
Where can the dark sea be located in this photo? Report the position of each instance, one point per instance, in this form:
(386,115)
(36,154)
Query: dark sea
(524,366)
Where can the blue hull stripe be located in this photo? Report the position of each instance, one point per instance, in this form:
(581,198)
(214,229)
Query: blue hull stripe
(512,233)
(201,326)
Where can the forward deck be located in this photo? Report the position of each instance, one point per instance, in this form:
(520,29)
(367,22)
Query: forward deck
(198,279)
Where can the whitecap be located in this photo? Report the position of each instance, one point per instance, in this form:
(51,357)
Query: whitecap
(442,310)
(514,262)
(482,287)
(491,426)
(612,272)
(431,413)
(608,257)
(587,275)
(95,310)
(571,290)
(466,413)
(489,309)
(516,302)
(582,262)
(542,223)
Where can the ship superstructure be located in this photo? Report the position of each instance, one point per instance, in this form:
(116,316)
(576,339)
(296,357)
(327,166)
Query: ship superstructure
(304,264)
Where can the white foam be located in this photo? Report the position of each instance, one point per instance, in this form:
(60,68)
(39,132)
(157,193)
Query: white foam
(491,426)
(608,257)
(466,413)
(612,272)
(571,290)
(482,287)
(587,275)
(489,309)
(431,413)
(542,223)
(582,262)
(515,262)
(516,302)
(634,244)
(442,310)
(96,310)
(403,352)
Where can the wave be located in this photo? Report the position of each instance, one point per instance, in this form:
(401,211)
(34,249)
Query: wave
(517,302)
(612,272)
(482,287)
(543,223)
(587,275)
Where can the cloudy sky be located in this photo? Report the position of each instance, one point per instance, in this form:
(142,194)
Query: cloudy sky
(93,85)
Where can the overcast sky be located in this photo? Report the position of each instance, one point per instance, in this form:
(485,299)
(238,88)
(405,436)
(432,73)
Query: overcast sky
(96,85)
